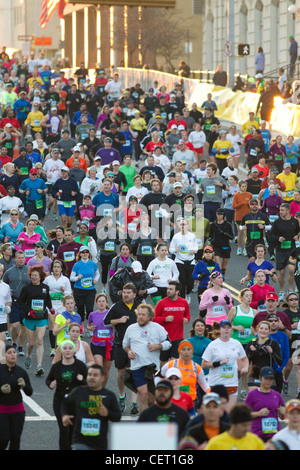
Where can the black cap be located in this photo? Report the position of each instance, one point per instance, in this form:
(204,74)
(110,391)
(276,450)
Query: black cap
(165,384)
(267,372)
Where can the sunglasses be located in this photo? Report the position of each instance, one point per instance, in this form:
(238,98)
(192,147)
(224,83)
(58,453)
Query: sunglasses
(174,378)
(85,252)
(14,214)
(214,275)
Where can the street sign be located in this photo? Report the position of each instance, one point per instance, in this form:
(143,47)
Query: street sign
(243,49)
(42,41)
(25,37)
(228,48)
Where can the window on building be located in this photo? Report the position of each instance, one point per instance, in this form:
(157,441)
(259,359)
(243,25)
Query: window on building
(198,7)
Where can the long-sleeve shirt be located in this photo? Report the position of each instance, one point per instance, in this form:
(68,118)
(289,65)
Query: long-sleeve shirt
(186,243)
(13,400)
(259,294)
(217,304)
(179,309)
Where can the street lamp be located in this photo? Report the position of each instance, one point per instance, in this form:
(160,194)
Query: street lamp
(293,9)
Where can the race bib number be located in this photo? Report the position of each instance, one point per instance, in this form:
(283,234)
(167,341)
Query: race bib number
(269,425)
(227,371)
(37,304)
(218,310)
(67,204)
(210,190)
(103,334)
(29,253)
(109,246)
(90,427)
(86,282)
(244,334)
(255,235)
(69,256)
(286,245)
(146,250)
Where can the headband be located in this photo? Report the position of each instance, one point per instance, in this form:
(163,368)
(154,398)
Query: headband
(68,341)
(183,344)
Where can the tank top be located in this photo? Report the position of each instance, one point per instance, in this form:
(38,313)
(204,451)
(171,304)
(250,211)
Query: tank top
(245,320)
(80,354)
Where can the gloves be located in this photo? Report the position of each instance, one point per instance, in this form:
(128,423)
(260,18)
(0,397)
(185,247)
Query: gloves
(261,302)
(215,298)
(31,314)
(227,299)
(21,382)
(52,311)
(6,388)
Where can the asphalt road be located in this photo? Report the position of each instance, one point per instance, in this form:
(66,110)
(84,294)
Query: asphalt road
(41,430)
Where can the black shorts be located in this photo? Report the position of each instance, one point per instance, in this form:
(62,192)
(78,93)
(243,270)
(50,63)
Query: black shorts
(222,252)
(121,357)
(172,352)
(282,259)
(3,327)
(16,314)
(100,351)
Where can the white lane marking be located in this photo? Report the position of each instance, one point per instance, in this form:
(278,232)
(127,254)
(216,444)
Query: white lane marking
(35,407)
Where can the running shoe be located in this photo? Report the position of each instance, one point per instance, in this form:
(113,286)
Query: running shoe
(7,336)
(39,370)
(122,403)
(188,298)
(54,217)
(28,362)
(52,353)
(272,257)
(281,296)
(245,252)
(239,252)
(243,394)
(285,387)
(20,352)
(134,409)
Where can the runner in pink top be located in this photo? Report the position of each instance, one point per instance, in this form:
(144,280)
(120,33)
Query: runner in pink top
(27,240)
(216,300)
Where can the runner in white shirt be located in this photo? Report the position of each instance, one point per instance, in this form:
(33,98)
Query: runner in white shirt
(290,435)
(162,269)
(161,160)
(223,357)
(236,141)
(53,166)
(9,202)
(137,190)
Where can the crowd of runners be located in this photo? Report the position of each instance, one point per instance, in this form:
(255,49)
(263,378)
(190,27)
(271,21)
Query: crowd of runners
(120,211)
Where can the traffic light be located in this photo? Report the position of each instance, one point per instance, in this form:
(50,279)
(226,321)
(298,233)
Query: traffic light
(243,49)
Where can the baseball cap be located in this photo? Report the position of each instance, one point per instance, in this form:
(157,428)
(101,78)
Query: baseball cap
(211,397)
(254,201)
(259,75)
(287,165)
(272,315)
(177,185)
(173,371)
(40,243)
(33,217)
(292,405)
(116,162)
(254,170)
(65,168)
(267,372)
(83,248)
(224,323)
(181,127)
(76,148)
(164,384)
(137,267)
(33,171)
(97,158)
(55,150)
(8,124)
(174,126)
(208,248)
(272,296)
(172,174)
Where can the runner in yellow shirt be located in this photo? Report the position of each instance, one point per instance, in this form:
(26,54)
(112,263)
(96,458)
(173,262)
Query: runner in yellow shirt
(290,180)
(238,436)
(34,118)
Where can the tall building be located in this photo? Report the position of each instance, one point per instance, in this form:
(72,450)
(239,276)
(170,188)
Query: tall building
(265,23)
(21,18)
(118,35)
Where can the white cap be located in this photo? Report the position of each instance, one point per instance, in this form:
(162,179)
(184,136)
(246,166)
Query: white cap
(137,267)
(177,185)
(174,126)
(173,371)
(116,162)
(83,248)
(65,168)
(76,148)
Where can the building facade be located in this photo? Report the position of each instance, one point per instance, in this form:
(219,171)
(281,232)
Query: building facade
(106,34)
(265,23)
(21,18)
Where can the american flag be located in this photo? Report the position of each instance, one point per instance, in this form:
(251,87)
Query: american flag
(48,7)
